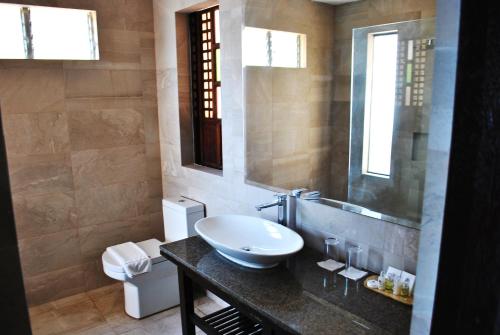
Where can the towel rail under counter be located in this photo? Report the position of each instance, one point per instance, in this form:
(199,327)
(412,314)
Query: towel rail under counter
(227,321)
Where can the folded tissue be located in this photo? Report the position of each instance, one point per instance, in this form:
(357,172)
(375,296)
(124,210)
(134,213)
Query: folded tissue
(331,265)
(353,273)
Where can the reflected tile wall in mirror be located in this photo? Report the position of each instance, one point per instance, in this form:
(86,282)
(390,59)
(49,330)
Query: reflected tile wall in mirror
(298,121)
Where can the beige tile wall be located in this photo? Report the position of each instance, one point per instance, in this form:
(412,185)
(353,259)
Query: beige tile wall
(288,133)
(83,149)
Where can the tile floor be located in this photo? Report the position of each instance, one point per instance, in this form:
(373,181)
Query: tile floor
(100,312)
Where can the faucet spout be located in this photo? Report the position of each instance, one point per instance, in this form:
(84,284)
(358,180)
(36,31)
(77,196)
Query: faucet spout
(280,202)
(267,205)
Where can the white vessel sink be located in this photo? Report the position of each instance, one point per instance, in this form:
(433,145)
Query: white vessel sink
(249,241)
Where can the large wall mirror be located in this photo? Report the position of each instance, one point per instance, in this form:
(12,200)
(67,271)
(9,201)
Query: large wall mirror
(338,98)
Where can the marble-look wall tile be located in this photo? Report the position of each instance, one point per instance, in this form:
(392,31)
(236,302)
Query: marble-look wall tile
(38,215)
(94,276)
(104,128)
(289,99)
(49,252)
(87,83)
(85,126)
(289,85)
(119,48)
(259,84)
(95,168)
(39,174)
(43,133)
(109,203)
(20,90)
(54,284)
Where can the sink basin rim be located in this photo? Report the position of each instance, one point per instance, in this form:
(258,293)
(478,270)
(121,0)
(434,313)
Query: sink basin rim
(254,258)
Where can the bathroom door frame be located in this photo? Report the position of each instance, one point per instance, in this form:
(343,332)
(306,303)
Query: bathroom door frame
(467,299)
(13,306)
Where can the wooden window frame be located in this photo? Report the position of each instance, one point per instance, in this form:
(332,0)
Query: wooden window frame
(206,120)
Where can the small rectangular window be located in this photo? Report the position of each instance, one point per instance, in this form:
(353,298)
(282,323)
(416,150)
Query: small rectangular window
(206,86)
(380,103)
(264,47)
(11,32)
(37,32)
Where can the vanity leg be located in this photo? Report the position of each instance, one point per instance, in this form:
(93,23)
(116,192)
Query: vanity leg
(267,330)
(187,302)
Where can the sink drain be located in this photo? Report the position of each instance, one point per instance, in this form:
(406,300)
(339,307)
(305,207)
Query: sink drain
(245,248)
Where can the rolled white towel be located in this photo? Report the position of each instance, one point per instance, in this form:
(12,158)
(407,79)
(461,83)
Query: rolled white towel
(131,257)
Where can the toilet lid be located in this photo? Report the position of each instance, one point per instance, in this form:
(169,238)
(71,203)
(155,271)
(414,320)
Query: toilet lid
(151,247)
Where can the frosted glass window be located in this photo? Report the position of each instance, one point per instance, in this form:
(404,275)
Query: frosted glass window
(285,52)
(263,47)
(11,32)
(255,47)
(219,104)
(48,33)
(217,27)
(380,103)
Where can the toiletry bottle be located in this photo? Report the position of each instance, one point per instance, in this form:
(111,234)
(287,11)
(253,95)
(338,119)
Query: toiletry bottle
(396,290)
(405,288)
(381,280)
(389,282)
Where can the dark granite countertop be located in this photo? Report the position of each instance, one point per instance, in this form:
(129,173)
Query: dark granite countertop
(298,295)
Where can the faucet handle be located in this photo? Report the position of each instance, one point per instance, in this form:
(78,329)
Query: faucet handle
(280,196)
(297,192)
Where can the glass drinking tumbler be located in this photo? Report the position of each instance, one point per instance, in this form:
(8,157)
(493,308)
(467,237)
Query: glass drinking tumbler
(332,249)
(353,258)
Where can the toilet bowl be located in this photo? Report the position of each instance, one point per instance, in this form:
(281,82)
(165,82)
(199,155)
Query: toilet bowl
(154,291)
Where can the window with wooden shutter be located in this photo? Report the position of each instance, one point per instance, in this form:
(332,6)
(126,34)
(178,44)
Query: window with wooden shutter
(206,86)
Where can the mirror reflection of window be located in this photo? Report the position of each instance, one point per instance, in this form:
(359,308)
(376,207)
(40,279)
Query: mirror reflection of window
(380,103)
(264,47)
(36,32)
(11,32)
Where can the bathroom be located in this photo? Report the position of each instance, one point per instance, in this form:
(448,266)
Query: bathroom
(107,140)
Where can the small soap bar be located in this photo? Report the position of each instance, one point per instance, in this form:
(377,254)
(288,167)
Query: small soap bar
(372,283)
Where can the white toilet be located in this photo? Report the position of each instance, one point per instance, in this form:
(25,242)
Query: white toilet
(157,290)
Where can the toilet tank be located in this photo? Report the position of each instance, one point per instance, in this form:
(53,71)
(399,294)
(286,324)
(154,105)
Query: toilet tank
(179,216)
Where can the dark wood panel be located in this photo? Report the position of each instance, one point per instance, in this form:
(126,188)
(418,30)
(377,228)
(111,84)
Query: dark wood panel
(468,296)
(211,152)
(13,308)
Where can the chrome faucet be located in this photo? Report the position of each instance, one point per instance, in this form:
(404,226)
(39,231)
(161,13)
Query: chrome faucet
(280,201)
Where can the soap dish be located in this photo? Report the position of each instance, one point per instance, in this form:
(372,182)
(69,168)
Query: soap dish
(404,300)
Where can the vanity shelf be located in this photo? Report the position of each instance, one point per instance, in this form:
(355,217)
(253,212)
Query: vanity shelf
(295,298)
(228,321)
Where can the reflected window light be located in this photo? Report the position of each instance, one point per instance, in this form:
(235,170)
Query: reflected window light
(11,32)
(264,47)
(380,103)
(48,33)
